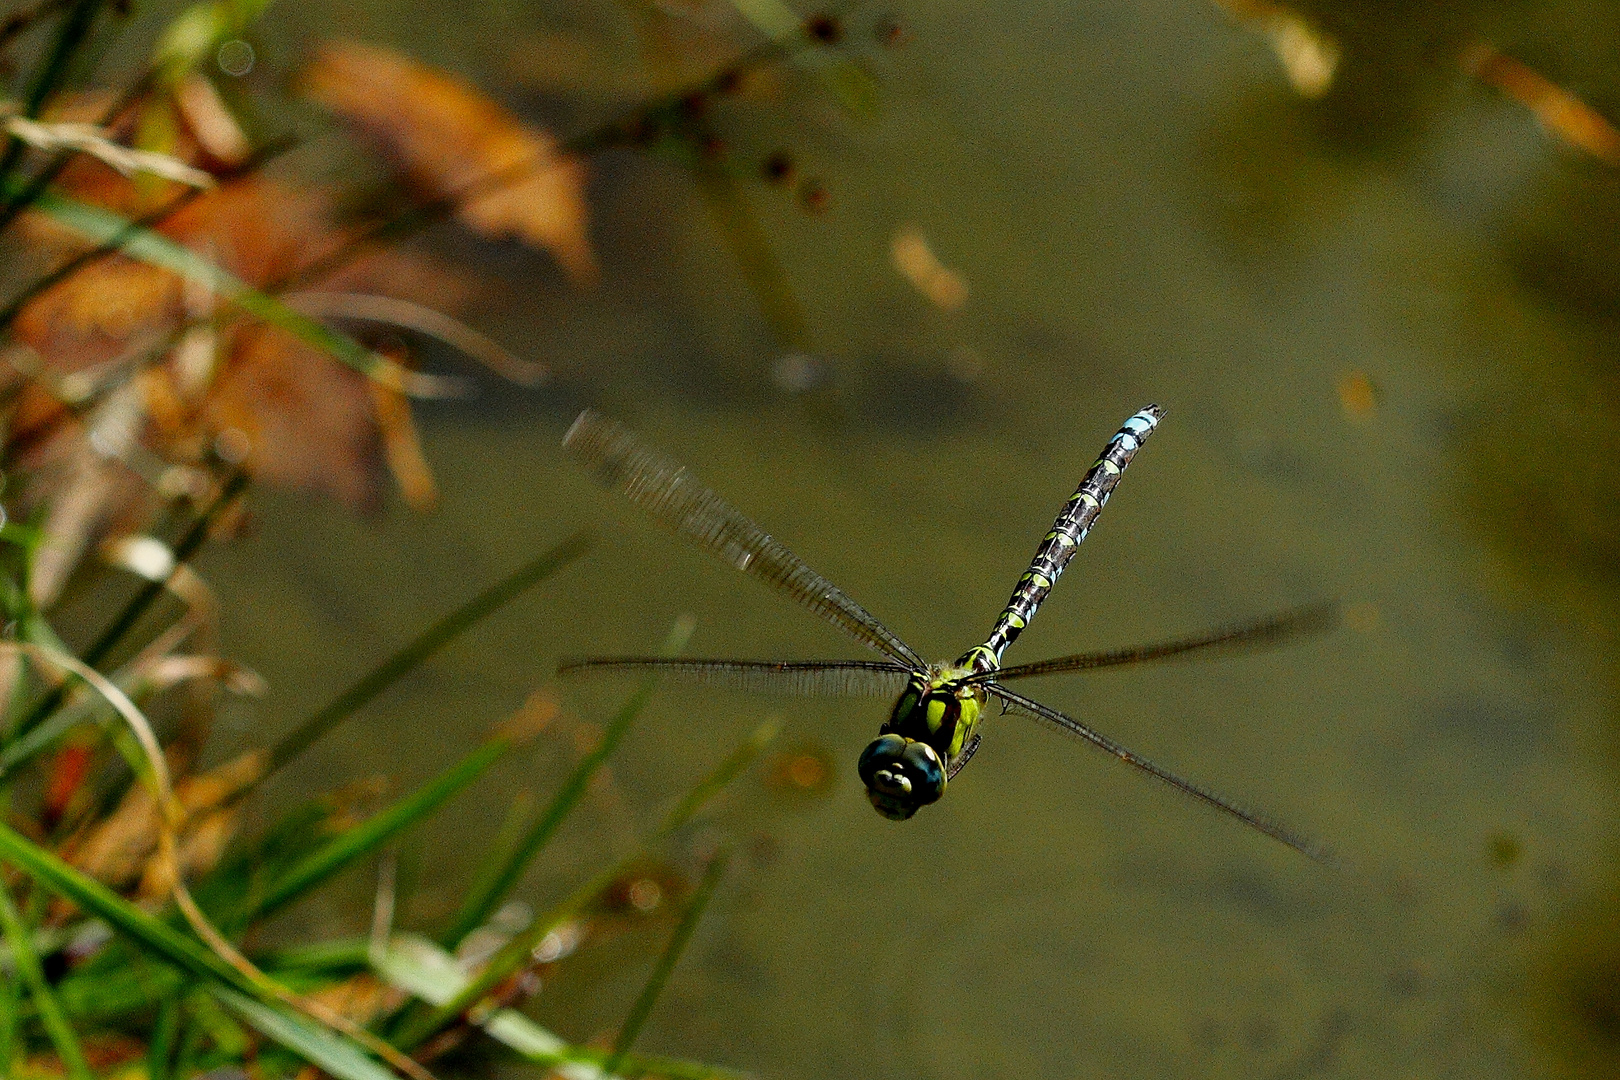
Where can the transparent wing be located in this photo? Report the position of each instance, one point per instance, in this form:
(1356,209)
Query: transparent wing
(1237,637)
(1069,726)
(670,493)
(801,678)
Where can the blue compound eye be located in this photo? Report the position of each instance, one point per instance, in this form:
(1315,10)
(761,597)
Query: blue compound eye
(901,775)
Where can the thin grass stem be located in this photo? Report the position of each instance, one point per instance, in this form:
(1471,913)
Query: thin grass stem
(481,902)
(70,35)
(515,953)
(378,829)
(29,972)
(425,645)
(144,597)
(636,1019)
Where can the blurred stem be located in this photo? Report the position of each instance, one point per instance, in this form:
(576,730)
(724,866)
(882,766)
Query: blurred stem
(114,244)
(425,645)
(376,830)
(481,902)
(516,952)
(75,26)
(752,250)
(165,1034)
(144,597)
(659,976)
(19,21)
(27,965)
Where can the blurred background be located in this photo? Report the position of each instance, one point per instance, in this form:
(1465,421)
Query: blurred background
(889,293)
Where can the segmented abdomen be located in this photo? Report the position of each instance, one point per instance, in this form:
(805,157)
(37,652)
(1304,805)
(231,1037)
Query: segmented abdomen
(1070,528)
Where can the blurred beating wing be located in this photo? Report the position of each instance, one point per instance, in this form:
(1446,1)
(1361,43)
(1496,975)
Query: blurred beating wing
(1069,726)
(670,493)
(803,678)
(1238,637)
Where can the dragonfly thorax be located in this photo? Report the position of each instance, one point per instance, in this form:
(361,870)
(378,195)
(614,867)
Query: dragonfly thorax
(906,767)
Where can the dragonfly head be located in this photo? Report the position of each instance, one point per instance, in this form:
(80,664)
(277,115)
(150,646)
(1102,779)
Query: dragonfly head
(901,775)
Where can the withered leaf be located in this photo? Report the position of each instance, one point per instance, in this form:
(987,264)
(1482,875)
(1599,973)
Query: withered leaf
(507,178)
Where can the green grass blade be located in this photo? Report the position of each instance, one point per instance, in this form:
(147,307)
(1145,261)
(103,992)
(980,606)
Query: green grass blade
(483,901)
(10,1018)
(421,968)
(425,645)
(101,226)
(315,1044)
(376,830)
(337,958)
(718,778)
(150,933)
(336,1054)
(519,821)
(27,965)
(515,953)
(165,1037)
(636,1019)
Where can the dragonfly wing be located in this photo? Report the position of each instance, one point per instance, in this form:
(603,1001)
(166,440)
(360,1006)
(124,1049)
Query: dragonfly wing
(673,496)
(1069,726)
(802,678)
(1237,637)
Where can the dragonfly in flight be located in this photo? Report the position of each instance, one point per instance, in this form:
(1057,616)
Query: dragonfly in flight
(932,731)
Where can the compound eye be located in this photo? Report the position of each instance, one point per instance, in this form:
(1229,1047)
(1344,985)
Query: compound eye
(901,775)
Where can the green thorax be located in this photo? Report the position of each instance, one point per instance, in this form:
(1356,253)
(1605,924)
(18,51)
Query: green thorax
(939,709)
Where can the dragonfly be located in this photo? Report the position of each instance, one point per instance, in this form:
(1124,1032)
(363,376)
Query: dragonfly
(933,729)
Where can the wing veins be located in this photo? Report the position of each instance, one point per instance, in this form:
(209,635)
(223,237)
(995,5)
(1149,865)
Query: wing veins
(1070,726)
(1264,633)
(805,678)
(675,498)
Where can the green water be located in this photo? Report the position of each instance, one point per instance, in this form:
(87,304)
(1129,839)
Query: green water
(1143,212)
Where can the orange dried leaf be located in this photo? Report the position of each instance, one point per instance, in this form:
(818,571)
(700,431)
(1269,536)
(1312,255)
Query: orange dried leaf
(918,264)
(305,420)
(507,178)
(310,425)
(1562,112)
(1358,395)
(403,448)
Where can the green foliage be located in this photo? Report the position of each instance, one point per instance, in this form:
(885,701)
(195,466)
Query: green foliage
(154,970)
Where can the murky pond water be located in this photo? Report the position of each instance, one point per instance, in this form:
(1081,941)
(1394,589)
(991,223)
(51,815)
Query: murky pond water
(1388,362)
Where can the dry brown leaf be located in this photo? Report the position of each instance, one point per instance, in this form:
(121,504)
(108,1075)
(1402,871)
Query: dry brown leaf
(91,317)
(306,421)
(508,178)
(118,850)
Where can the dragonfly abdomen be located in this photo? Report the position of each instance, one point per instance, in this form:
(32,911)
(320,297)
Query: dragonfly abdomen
(1073,522)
